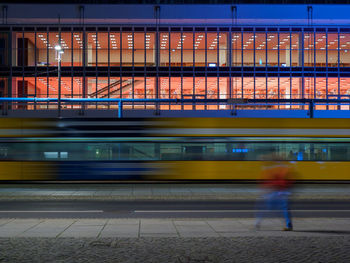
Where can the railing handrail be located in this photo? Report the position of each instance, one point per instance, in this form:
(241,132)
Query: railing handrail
(228,101)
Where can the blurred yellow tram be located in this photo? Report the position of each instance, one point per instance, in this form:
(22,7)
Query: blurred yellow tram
(171,149)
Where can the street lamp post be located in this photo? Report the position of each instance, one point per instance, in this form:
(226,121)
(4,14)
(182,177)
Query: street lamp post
(59,50)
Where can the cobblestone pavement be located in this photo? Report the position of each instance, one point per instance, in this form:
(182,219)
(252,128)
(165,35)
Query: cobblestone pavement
(160,249)
(163,191)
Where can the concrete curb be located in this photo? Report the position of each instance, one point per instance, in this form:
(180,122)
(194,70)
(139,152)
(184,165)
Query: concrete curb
(170,197)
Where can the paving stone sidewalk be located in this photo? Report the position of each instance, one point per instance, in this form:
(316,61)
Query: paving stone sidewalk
(163,191)
(179,228)
(180,250)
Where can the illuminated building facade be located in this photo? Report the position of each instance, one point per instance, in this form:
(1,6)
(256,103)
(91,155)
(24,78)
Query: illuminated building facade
(254,52)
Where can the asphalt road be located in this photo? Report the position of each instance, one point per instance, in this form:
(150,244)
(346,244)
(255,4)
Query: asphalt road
(161,209)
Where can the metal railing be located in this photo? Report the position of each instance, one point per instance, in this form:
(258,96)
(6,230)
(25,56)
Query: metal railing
(203,104)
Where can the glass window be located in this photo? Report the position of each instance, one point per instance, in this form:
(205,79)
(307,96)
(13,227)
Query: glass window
(91,48)
(333,85)
(4,49)
(77,49)
(285,50)
(309,46)
(151,49)
(212,49)
(3,87)
(127,49)
(24,49)
(127,87)
(297,53)
(77,91)
(187,57)
(223,51)
(175,49)
(199,49)
(29,49)
(332,45)
(296,88)
(321,45)
(164,49)
(53,41)
(236,49)
(224,92)
(236,87)
(41,49)
(272,88)
(345,91)
(248,88)
(321,84)
(115,87)
(272,50)
(260,49)
(284,89)
(260,88)
(212,91)
(114,45)
(150,88)
(309,87)
(248,49)
(91,87)
(344,49)
(139,49)
(102,49)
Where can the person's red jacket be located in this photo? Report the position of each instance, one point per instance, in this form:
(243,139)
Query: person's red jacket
(277,177)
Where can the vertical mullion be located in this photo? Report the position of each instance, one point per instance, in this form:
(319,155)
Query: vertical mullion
(181,43)
(193,69)
(217,67)
(169,62)
(120,64)
(229,53)
(338,66)
(254,62)
(47,65)
(302,50)
(144,65)
(314,75)
(23,53)
(133,67)
(96,61)
(109,65)
(72,65)
(206,64)
(35,67)
(242,65)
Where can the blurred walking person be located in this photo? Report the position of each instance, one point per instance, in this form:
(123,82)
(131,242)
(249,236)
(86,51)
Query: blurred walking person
(277,181)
